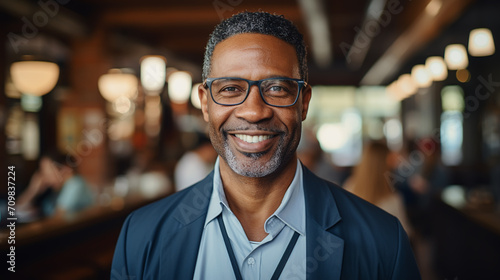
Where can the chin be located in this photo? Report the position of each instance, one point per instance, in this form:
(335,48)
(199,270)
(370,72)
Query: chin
(254,165)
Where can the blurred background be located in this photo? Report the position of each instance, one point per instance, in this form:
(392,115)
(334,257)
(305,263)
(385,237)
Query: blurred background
(98,118)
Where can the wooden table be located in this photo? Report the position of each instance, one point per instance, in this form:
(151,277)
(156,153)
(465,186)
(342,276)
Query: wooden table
(466,241)
(69,247)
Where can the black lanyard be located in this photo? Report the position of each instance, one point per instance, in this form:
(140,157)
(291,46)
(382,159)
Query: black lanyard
(236,268)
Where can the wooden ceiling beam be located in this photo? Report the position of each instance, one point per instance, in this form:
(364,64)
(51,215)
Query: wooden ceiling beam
(319,31)
(52,16)
(423,30)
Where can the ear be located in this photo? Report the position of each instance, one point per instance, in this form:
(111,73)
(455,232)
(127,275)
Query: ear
(306,98)
(203,95)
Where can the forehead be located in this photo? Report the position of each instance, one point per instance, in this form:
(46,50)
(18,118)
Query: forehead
(256,52)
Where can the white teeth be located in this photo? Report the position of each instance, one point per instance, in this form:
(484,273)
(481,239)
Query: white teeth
(252,139)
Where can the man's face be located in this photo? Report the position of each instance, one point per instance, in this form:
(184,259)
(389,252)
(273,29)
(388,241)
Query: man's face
(253,138)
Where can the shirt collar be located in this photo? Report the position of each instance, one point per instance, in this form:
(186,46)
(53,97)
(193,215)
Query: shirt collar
(291,210)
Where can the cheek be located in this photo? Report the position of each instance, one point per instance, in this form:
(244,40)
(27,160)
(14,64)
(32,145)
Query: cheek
(293,121)
(217,115)
(293,118)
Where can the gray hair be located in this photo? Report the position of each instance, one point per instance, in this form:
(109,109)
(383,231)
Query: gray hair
(260,23)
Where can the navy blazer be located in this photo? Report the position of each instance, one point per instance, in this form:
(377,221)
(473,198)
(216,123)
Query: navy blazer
(347,237)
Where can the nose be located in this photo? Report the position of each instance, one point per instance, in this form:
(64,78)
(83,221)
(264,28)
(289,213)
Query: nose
(254,109)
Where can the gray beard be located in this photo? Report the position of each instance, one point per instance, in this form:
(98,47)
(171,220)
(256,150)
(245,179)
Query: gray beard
(254,168)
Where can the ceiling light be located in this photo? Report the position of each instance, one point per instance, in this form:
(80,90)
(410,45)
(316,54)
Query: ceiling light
(406,85)
(179,86)
(392,89)
(456,57)
(421,76)
(481,42)
(116,83)
(122,105)
(153,74)
(34,77)
(436,66)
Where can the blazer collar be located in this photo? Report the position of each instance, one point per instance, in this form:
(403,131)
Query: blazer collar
(324,249)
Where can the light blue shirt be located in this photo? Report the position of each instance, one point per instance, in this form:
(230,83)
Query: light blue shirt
(257,260)
(74,196)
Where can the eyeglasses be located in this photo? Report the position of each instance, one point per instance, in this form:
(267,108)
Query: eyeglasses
(277,92)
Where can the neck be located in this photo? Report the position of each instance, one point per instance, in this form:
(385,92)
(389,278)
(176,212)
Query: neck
(253,200)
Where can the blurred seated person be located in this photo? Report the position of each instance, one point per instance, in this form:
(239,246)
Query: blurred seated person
(148,175)
(194,165)
(426,182)
(370,181)
(55,188)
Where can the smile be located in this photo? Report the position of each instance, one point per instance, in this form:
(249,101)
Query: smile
(252,138)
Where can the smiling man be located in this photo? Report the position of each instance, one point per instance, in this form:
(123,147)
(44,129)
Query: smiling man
(260,214)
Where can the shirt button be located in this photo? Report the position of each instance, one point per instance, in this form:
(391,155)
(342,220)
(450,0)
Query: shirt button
(251,261)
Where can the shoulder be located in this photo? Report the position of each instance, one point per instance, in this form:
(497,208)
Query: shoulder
(164,225)
(75,188)
(360,214)
(355,218)
(348,205)
(75,194)
(75,181)
(372,238)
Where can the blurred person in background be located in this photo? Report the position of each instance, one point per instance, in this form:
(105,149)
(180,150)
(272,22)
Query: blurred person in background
(370,180)
(195,164)
(147,175)
(431,177)
(420,176)
(54,189)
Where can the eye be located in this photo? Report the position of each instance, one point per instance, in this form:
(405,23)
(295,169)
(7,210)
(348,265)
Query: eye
(229,88)
(277,88)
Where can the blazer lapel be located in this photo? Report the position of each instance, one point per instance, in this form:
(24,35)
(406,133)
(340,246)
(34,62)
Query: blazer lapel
(180,251)
(324,249)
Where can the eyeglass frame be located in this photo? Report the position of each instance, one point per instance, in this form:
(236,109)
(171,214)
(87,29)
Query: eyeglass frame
(208,84)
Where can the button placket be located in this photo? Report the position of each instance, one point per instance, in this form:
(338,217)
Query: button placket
(251,269)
